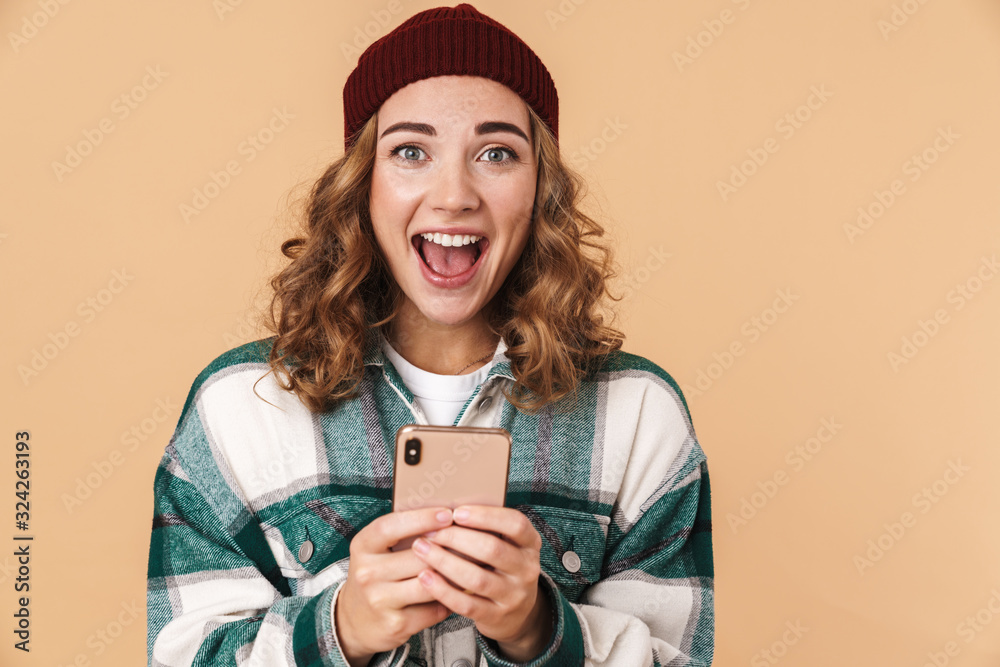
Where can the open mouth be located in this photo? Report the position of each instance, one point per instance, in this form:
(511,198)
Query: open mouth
(447,255)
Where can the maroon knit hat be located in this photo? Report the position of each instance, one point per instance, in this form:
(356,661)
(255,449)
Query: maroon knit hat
(442,41)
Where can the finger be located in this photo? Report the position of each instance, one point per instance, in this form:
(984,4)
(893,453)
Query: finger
(507,521)
(466,575)
(388,529)
(485,548)
(418,616)
(462,603)
(395,566)
(401,594)
(425,615)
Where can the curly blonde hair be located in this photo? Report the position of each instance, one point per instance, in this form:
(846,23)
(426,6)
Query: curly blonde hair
(338,287)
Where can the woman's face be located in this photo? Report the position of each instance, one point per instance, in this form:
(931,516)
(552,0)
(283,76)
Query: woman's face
(454,160)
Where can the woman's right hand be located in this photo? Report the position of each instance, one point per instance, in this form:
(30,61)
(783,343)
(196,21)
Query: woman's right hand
(382,603)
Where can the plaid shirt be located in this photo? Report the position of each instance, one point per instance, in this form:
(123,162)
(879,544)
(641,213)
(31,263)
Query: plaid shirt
(255,503)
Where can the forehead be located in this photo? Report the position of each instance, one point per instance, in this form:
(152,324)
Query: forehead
(453,100)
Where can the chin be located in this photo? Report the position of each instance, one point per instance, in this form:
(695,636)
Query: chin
(448,314)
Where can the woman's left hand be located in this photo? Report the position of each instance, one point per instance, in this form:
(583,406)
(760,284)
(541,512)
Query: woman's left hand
(506,603)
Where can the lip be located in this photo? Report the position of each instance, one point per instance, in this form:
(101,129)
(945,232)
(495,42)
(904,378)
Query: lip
(449,282)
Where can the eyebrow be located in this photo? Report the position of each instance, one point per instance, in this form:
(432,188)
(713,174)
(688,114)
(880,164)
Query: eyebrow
(488,127)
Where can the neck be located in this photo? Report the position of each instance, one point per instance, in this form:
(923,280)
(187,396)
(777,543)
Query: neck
(441,348)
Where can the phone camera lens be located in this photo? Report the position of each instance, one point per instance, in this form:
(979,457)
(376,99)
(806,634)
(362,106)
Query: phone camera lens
(412,454)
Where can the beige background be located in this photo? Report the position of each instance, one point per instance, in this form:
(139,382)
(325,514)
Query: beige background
(654,135)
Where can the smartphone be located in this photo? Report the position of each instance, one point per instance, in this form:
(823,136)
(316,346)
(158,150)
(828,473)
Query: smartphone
(448,466)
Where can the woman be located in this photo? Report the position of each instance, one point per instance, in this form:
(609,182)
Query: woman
(445,276)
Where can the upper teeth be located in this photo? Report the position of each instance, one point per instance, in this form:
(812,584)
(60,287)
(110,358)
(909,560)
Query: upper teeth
(449,240)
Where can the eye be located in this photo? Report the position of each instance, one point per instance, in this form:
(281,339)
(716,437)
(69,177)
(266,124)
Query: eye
(495,155)
(406,153)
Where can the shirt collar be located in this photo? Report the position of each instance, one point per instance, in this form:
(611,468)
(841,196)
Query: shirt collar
(374,356)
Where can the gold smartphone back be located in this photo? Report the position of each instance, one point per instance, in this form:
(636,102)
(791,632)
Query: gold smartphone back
(450,466)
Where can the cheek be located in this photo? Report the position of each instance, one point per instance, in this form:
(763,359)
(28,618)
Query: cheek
(389,206)
(526,193)
(525,221)
(523,215)
(391,198)
(379,194)
(513,196)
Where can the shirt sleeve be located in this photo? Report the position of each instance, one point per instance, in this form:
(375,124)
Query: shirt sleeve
(654,602)
(215,595)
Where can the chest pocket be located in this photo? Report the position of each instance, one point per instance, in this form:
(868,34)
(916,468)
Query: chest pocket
(573,545)
(317,533)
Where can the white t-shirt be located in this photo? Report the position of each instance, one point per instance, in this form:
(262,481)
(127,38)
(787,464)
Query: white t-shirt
(441,397)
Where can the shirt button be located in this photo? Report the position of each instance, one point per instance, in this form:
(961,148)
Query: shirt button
(483,406)
(306,551)
(571,561)
(462,662)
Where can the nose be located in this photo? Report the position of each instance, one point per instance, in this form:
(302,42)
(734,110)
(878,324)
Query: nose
(454,190)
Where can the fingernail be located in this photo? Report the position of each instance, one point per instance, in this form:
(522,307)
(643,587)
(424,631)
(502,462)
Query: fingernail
(431,534)
(444,516)
(421,546)
(461,514)
(425,578)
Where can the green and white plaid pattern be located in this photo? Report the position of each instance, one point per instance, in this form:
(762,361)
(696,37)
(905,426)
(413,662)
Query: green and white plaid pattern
(618,478)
